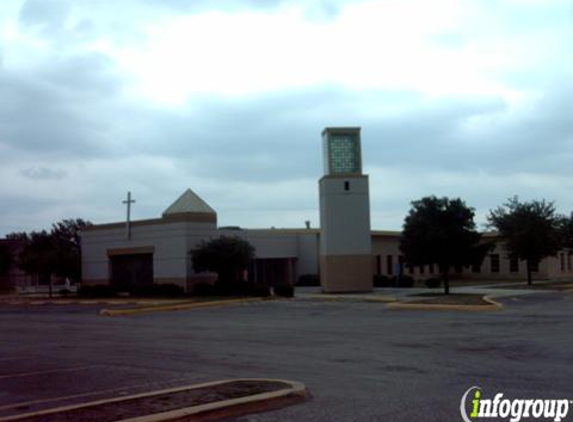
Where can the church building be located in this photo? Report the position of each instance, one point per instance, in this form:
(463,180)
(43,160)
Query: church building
(345,252)
(158,250)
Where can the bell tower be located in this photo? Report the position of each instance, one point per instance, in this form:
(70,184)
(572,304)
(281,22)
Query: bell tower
(345,238)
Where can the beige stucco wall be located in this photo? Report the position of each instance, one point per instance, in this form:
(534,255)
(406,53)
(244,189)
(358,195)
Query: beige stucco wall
(344,216)
(346,273)
(308,253)
(345,237)
(298,244)
(387,243)
(171,243)
(269,243)
(561,265)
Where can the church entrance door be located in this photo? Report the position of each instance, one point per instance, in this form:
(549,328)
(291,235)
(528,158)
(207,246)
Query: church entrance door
(131,270)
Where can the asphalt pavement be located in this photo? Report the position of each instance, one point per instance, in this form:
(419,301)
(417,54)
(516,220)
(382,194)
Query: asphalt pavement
(360,361)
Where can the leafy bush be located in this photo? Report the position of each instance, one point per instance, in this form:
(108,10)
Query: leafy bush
(382,281)
(64,292)
(99,290)
(308,280)
(433,283)
(203,289)
(169,290)
(226,256)
(259,290)
(157,290)
(235,288)
(284,290)
(405,281)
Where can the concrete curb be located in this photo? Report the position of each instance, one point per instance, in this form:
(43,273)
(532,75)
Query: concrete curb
(493,306)
(350,298)
(177,306)
(295,393)
(78,302)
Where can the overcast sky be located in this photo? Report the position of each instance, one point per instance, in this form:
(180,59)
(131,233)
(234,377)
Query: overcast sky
(459,98)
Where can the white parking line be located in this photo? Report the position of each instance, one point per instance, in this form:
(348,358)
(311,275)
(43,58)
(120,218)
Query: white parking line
(50,371)
(91,393)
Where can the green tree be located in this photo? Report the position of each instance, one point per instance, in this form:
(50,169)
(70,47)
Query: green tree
(37,256)
(67,248)
(531,230)
(21,236)
(441,231)
(17,241)
(226,256)
(6,259)
(57,252)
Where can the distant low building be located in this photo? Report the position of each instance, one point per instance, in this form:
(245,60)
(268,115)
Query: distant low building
(496,265)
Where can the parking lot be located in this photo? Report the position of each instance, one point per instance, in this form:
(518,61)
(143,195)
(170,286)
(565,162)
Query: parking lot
(360,361)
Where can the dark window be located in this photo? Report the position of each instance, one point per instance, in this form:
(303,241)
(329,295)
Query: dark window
(431,268)
(562,261)
(410,268)
(513,265)
(476,268)
(389,265)
(131,270)
(378,264)
(346,185)
(421,269)
(458,269)
(569,261)
(494,262)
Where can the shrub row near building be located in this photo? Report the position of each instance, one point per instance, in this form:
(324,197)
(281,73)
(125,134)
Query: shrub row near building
(379,280)
(242,288)
(404,281)
(199,289)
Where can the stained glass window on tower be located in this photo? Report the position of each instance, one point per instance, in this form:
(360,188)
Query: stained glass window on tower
(344,155)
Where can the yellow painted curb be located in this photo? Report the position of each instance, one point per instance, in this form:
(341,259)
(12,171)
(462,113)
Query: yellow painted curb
(493,306)
(91,302)
(295,393)
(386,299)
(177,307)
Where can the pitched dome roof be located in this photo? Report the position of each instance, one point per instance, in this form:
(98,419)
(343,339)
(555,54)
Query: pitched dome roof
(189,201)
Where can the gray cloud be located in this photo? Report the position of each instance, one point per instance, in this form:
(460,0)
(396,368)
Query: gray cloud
(64,108)
(48,16)
(21,213)
(223,5)
(65,123)
(276,137)
(43,173)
